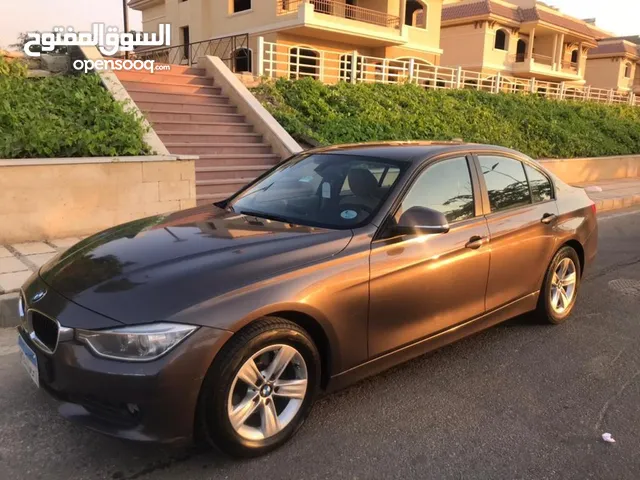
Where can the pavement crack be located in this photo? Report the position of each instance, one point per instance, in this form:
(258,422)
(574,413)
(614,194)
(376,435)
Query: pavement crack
(607,404)
(612,268)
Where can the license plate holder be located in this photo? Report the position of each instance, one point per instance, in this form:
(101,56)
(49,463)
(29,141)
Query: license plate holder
(29,361)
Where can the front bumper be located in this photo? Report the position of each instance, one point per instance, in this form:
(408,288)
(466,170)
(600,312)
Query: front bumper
(147,401)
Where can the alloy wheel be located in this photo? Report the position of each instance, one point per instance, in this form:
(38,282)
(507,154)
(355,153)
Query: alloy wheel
(563,286)
(267,392)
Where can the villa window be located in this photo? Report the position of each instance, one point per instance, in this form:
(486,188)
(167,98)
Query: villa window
(501,40)
(521,52)
(304,62)
(241,5)
(627,70)
(416,14)
(574,56)
(242,60)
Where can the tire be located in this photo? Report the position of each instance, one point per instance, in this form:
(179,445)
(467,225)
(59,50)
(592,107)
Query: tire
(223,391)
(555,309)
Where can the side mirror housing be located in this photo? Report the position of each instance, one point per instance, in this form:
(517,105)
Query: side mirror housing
(421,220)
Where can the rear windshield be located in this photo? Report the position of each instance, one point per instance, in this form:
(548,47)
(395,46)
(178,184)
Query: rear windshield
(325,190)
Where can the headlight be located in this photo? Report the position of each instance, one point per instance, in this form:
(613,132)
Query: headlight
(135,344)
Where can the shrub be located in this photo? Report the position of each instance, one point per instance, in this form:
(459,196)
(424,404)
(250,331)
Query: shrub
(64,116)
(12,68)
(541,128)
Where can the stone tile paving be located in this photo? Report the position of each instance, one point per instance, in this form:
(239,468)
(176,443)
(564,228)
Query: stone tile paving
(20,260)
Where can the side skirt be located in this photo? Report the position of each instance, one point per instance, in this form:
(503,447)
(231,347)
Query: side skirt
(408,352)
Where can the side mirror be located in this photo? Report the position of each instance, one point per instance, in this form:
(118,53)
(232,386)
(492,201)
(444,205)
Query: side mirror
(421,220)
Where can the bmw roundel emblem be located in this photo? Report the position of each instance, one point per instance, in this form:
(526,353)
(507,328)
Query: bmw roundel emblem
(39,295)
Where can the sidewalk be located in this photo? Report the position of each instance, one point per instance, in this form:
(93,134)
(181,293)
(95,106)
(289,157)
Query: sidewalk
(17,263)
(615,194)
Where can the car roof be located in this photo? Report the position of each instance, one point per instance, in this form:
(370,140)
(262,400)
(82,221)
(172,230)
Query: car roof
(414,151)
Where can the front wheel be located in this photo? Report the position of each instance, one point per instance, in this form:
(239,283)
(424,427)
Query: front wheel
(560,289)
(260,389)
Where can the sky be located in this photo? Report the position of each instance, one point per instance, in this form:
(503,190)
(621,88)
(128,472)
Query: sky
(619,16)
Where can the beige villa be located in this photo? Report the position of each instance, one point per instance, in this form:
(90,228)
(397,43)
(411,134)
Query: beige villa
(317,38)
(614,63)
(520,38)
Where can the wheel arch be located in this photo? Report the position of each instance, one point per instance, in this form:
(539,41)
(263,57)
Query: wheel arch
(577,246)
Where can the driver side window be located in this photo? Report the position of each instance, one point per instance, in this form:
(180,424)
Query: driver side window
(446,187)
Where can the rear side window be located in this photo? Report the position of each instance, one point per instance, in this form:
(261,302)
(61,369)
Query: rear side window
(540,185)
(506,182)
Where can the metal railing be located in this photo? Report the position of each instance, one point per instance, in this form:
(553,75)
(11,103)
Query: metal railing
(229,49)
(277,60)
(340,9)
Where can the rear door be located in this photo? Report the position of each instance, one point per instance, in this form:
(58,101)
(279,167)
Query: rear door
(521,214)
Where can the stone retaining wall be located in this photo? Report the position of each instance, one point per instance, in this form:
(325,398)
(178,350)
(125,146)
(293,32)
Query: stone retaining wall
(54,198)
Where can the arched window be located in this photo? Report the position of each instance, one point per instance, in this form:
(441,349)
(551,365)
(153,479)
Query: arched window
(574,56)
(304,62)
(521,53)
(416,14)
(627,70)
(242,60)
(501,40)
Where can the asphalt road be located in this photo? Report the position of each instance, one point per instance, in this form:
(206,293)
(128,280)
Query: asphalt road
(522,400)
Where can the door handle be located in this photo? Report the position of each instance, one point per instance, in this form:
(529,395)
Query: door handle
(475,242)
(547,218)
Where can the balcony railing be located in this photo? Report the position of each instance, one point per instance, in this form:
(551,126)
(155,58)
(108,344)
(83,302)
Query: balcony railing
(543,59)
(570,67)
(340,9)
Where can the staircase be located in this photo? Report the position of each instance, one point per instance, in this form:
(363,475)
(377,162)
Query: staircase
(192,116)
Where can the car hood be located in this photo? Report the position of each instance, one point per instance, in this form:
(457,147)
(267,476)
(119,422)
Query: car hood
(150,269)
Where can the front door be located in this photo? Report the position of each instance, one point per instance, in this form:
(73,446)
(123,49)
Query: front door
(423,284)
(521,224)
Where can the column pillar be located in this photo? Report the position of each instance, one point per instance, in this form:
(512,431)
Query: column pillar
(402,14)
(581,61)
(554,55)
(561,52)
(532,36)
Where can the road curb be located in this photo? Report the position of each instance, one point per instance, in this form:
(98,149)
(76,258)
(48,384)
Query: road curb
(617,203)
(9,310)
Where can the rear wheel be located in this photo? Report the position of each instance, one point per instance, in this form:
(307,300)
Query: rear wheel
(560,289)
(260,388)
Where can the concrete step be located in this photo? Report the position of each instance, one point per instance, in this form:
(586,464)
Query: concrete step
(154,106)
(166,116)
(217,148)
(224,173)
(144,86)
(237,160)
(139,95)
(219,137)
(202,127)
(210,187)
(164,77)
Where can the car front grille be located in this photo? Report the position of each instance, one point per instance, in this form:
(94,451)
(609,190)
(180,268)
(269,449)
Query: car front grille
(45,330)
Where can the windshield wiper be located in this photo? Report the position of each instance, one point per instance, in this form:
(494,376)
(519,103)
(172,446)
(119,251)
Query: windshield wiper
(266,216)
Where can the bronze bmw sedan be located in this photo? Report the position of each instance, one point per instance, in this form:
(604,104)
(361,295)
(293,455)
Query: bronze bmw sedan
(224,322)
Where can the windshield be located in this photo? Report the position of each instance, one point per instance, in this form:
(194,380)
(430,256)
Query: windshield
(325,190)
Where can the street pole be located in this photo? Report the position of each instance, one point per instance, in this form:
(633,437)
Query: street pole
(125,17)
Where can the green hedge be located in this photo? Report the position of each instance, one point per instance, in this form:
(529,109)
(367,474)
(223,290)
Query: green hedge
(541,128)
(64,116)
